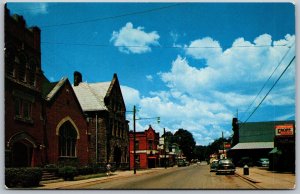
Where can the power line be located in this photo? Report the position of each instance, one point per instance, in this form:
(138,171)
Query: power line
(280,62)
(114,17)
(160,46)
(269,91)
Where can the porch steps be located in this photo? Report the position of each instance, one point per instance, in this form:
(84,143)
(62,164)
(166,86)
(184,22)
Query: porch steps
(47,176)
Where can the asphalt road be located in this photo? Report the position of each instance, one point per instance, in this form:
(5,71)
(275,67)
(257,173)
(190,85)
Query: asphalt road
(191,177)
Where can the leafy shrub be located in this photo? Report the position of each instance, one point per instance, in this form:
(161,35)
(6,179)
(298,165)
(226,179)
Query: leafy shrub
(86,170)
(67,172)
(22,177)
(51,168)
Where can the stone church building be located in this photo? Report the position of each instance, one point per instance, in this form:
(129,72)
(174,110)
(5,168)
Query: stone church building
(104,107)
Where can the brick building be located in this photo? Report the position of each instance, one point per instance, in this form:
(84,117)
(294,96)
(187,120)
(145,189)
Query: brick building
(44,122)
(66,138)
(146,146)
(24,137)
(105,110)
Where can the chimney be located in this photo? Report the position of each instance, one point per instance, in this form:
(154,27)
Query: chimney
(36,37)
(77,78)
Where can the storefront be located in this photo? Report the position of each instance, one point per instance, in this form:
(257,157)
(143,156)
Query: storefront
(282,157)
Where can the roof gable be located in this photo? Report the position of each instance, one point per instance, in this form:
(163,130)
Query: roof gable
(92,96)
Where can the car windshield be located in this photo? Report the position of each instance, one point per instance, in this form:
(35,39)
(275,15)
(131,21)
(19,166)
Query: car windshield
(264,159)
(225,162)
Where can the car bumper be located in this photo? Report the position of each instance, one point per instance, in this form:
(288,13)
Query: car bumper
(225,170)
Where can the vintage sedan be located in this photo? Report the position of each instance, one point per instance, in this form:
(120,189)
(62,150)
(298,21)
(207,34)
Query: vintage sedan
(263,162)
(225,166)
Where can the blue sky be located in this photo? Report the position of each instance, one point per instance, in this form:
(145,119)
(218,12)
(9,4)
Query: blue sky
(196,65)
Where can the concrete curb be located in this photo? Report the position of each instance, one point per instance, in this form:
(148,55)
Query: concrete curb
(247,178)
(76,184)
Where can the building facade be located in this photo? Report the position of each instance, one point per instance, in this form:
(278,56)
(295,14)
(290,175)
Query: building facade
(262,140)
(105,110)
(44,122)
(66,129)
(24,137)
(146,149)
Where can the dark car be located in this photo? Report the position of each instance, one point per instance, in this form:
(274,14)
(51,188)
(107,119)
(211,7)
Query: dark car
(181,163)
(213,166)
(263,162)
(245,161)
(225,166)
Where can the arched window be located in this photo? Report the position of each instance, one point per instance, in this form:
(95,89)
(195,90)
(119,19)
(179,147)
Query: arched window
(67,140)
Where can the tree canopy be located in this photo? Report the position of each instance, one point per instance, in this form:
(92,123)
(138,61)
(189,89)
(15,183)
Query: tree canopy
(186,142)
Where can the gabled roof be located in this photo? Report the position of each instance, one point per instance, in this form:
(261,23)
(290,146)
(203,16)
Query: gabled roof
(55,89)
(91,96)
(49,89)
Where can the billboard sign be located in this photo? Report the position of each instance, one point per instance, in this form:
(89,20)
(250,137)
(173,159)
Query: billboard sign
(284,130)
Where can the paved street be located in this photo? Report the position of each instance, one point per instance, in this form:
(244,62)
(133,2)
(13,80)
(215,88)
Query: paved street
(191,177)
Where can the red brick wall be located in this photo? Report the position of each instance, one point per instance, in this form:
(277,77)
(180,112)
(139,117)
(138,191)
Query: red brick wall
(142,138)
(65,105)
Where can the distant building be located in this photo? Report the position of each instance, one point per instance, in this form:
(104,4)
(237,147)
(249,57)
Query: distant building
(146,149)
(105,110)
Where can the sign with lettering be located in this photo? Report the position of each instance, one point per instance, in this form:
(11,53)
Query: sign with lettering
(284,130)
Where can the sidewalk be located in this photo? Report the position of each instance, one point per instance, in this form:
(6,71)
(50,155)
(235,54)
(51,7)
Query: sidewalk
(60,184)
(262,178)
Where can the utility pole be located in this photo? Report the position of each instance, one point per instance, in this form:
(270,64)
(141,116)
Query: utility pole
(134,148)
(165,146)
(223,144)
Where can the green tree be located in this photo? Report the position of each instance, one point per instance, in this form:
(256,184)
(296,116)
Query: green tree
(186,142)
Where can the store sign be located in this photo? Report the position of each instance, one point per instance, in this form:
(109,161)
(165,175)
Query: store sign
(284,130)
(227,145)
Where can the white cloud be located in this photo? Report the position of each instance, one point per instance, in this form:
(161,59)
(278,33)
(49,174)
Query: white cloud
(204,99)
(205,48)
(134,40)
(208,96)
(149,77)
(131,96)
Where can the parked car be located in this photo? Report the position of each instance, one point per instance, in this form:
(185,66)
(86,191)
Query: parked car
(225,166)
(245,161)
(181,163)
(264,162)
(213,166)
(187,163)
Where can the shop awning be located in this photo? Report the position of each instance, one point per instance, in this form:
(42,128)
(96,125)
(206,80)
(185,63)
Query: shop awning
(275,151)
(253,145)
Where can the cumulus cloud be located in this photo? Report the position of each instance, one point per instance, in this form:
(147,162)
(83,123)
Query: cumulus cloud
(209,95)
(204,99)
(134,40)
(205,48)
(131,96)
(149,77)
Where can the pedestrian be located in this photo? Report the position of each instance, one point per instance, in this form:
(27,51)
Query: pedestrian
(108,169)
